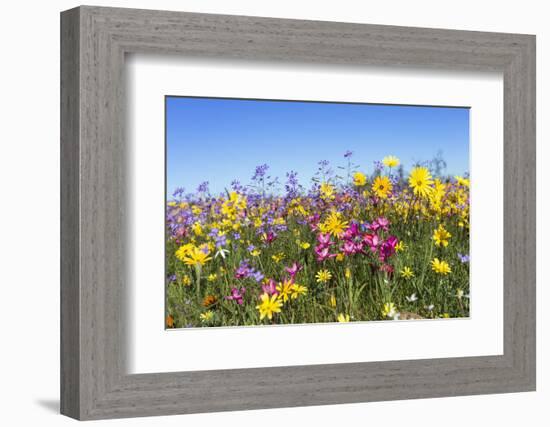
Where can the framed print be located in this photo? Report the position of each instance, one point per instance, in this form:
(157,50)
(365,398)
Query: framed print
(262,213)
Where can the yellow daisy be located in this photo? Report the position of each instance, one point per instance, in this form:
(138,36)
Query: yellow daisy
(359,179)
(391,161)
(440,267)
(382,186)
(323,276)
(269,305)
(441,236)
(420,180)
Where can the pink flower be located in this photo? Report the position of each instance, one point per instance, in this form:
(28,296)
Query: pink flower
(351,232)
(313,221)
(372,240)
(324,239)
(270,287)
(349,248)
(373,226)
(236,295)
(383,222)
(323,253)
(293,270)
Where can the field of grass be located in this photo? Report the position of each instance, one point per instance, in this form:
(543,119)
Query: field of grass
(353,246)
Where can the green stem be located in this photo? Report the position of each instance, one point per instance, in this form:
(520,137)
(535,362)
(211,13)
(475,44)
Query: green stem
(198,283)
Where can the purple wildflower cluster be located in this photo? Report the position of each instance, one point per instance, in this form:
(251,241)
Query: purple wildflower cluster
(244,271)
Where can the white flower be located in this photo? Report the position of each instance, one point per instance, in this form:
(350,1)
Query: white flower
(429,307)
(412,298)
(221,253)
(460,294)
(392,312)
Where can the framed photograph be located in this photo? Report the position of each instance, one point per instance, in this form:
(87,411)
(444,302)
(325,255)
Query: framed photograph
(261,213)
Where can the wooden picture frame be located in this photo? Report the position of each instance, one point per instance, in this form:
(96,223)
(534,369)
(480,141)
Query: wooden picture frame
(94,41)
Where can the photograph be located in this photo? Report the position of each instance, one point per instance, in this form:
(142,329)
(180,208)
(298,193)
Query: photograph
(291,212)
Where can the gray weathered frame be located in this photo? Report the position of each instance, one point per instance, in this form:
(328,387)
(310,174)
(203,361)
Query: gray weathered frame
(94,41)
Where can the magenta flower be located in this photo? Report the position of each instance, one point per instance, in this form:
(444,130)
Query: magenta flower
(349,247)
(323,253)
(381,222)
(392,240)
(270,287)
(384,223)
(269,236)
(236,295)
(313,221)
(323,239)
(351,232)
(373,226)
(387,248)
(372,240)
(293,270)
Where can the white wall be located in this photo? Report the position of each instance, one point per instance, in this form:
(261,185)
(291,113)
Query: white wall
(29,226)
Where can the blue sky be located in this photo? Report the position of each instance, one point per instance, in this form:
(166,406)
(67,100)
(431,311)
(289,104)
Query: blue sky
(218,140)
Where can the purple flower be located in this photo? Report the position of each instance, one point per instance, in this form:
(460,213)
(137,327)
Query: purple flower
(243,270)
(292,187)
(292,179)
(203,187)
(221,241)
(236,295)
(178,192)
(464,258)
(257,276)
(324,169)
(236,186)
(260,172)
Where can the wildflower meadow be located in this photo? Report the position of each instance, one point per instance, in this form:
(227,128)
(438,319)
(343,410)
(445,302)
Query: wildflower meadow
(354,243)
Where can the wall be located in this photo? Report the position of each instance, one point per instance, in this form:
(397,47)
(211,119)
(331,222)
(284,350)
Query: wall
(29,226)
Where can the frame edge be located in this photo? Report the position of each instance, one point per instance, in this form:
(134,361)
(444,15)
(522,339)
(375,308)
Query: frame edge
(70,404)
